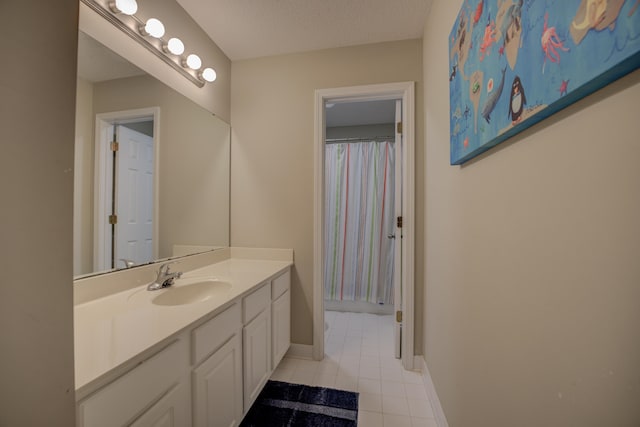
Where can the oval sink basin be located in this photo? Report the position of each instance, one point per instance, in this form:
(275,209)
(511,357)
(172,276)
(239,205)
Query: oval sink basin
(191,292)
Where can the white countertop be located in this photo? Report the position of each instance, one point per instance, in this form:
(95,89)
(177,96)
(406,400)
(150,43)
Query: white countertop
(113,329)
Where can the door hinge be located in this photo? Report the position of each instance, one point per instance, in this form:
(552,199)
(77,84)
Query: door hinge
(115,146)
(399,222)
(399,127)
(113,219)
(399,316)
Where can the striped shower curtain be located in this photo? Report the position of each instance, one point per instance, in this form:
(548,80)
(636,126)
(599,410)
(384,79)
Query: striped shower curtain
(359,211)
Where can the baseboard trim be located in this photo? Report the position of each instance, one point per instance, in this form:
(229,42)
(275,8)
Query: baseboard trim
(300,351)
(441,420)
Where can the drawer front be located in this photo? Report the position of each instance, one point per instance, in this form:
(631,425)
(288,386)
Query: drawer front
(208,337)
(254,303)
(123,400)
(280,285)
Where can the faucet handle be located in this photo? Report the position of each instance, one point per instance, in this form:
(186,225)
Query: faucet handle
(128,263)
(165,268)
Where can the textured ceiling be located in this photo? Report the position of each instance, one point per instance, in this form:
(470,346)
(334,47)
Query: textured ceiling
(255,28)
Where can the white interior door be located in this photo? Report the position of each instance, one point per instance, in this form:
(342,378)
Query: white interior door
(397,258)
(134,196)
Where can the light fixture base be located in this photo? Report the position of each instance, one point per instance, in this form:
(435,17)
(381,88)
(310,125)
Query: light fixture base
(132,31)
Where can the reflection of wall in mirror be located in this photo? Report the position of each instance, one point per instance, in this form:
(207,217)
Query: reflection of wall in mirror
(83,180)
(194,164)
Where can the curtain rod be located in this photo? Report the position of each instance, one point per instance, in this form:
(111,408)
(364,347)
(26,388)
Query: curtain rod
(335,140)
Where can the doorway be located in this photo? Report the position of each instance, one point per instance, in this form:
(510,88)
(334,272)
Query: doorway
(125,190)
(392,288)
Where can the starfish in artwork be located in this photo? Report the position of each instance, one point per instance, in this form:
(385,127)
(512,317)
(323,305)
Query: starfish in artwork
(564,86)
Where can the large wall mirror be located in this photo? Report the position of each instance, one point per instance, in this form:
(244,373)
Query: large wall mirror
(161,191)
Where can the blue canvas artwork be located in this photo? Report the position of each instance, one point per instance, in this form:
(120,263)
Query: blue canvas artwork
(513,63)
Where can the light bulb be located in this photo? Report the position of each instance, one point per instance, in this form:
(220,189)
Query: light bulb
(193,61)
(174,46)
(153,28)
(209,74)
(128,7)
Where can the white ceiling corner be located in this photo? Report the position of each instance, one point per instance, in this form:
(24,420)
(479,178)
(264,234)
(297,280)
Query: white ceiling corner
(246,29)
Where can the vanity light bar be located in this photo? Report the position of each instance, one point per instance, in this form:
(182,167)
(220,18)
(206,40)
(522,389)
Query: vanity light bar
(149,34)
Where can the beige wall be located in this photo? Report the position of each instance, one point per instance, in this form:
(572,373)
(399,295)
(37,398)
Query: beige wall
(532,305)
(194,161)
(37,100)
(272,160)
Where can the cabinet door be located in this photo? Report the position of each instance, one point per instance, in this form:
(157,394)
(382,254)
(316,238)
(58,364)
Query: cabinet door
(281,330)
(217,386)
(257,356)
(170,411)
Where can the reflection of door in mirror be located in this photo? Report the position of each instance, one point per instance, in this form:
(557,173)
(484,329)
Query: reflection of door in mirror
(133,234)
(127,208)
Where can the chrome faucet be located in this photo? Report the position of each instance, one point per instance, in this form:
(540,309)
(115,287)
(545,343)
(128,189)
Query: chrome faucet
(165,277)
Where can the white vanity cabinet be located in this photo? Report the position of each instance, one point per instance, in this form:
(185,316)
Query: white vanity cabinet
(281,317)
(207,374)
(256,342)
(156,392)
(217,376)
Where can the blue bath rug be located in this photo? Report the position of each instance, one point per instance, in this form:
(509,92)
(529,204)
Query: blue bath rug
(295,405)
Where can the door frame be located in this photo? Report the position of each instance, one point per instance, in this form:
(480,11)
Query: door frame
(102,185)
(406,92)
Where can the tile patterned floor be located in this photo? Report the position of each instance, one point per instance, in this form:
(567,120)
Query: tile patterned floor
(359,357)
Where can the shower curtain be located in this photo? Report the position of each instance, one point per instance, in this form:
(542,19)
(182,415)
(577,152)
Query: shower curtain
(359,212)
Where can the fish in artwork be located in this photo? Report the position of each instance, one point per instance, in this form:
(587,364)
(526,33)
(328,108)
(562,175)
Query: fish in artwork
(550,42)
(491,102)
(517,101)
(453,73)
(509,29)
(512,20)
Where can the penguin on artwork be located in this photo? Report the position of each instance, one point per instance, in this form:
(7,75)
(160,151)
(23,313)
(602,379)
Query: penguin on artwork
(516,101)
